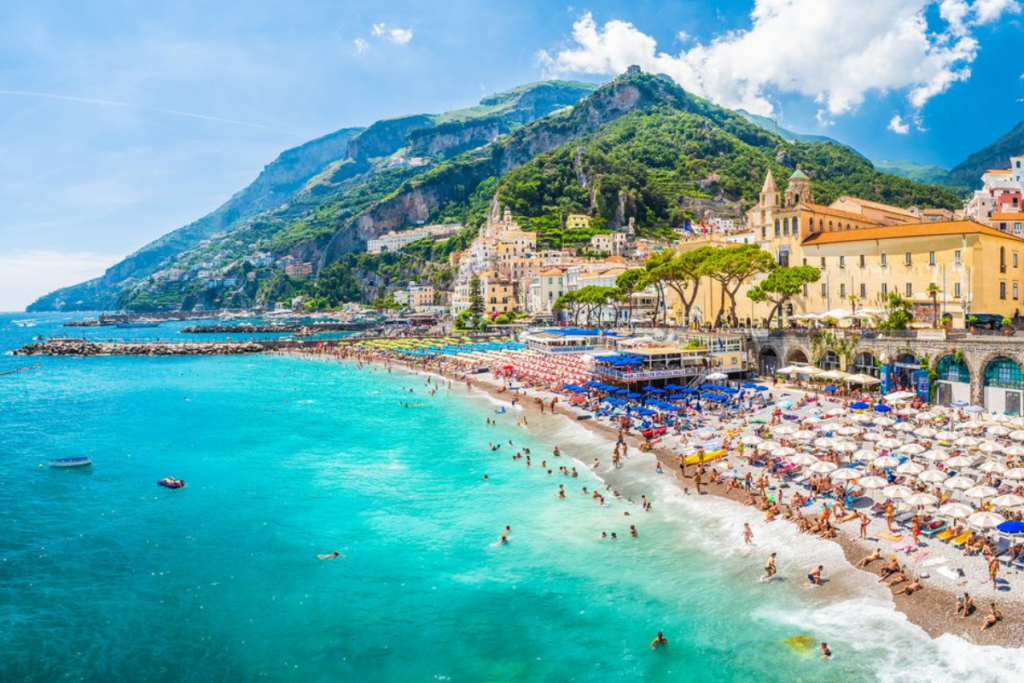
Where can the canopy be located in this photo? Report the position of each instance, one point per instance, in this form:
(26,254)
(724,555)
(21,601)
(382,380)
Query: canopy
(862,379)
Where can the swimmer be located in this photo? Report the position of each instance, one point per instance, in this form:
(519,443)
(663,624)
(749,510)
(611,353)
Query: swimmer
(561,491)
(486,477)
(659,641)
(556,452)
(769,568)
(632,531)
(330,556)
(748,535)
(504,540)
(825,652)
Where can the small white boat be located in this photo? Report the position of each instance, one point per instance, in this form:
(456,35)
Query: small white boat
(71,462)
(24,323)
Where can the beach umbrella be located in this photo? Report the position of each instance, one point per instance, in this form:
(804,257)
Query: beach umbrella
(921,499)
(959,404)
(823,467)
(1008,500)
(959,483)
(912,449)
(910,468)
(865,454)
(847,474)
(946,435)
(889,443)
(981,492)
(751,440)
(904,427)
(884,421)
(803,435)
(823,442)
(784,430)
(885,461)
(863,418)
(860,405)
(974,410)
(803,459)
(844,446)
(999,430)
(716,376)
(783,451)
(906,412)
(873,436)
(1011,527)
(873,482)
(990,447)
(992,466)
(1015,473)
(960,461)
(848,431)
(985,520)
(957,510)
(882,408)
(935,455)
(896,491)
(933,476)
(1017,422)
(1015,450)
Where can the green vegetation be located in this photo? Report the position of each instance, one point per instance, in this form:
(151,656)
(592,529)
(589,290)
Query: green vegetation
(898,313)
(781,285)
(919,173)
(997,155)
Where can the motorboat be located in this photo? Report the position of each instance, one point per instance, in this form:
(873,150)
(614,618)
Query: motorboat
(83,461)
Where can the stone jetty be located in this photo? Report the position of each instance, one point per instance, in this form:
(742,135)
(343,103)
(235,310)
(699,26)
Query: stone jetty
(240,329)
(81,347)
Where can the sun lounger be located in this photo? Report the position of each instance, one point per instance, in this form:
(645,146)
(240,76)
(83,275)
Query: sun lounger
(939,530)
(962,539)
(885,535)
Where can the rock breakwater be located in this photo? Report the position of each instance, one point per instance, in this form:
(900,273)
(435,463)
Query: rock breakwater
(81,347)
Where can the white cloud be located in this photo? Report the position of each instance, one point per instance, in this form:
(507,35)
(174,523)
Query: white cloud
(378,29)
(898,125)
(398,36)
(25,275)
(806,47)
(361,45)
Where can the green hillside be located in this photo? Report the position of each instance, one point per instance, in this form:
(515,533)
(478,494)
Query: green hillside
(997,155)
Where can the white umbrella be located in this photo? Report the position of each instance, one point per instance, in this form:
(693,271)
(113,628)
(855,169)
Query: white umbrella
(985,520)
(833,374)
(912,449)
(933,476)
(1017,435)
(716,376)
(784,430)
(935,455)
(990,447)
(873,482)
(751,440)
(1016,450)
(904,427)
(992,466)
(899,396)
(863,418)
(998,430)
(823,467)
(847,474)
(890,443)
(925,433)
(803,459)
(873,436)
(848,431)
(981,492)
(865,454)
(844,446)
(906,412)
(783,451)
(911,468)
(945,435)
(1015,473)
(803,435)
(967,441)
(862,379)
(884,421)
(837,313)
(1017,422)
(885,461)
(956,510)
(960,461)
(921,499)
(896,491)
(1008,500)
(823,442)
(959,482)
(974,410)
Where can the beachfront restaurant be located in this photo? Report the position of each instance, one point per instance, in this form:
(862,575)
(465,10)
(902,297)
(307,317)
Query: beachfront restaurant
(566,340)
(652,365)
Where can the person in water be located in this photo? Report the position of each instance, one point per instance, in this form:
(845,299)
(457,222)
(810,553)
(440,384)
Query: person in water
(769,567)
(815,576)
(659,641)
(330,556)
(748,535)
(825,652)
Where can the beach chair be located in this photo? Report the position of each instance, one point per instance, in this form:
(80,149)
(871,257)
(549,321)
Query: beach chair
(936,531)
(962,539)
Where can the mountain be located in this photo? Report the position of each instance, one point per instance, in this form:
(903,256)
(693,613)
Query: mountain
(921,173)
(997,155)
(773,126)
(324,166)
(638,147)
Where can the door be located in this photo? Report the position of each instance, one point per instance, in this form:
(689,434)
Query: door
(943,394)
(1013,402)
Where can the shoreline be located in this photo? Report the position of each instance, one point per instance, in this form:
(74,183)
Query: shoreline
(930,609)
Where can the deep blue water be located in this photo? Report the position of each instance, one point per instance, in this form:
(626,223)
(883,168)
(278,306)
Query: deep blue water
(106,576)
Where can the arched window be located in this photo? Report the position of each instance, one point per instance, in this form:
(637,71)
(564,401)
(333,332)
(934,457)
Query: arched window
(952,371)
(785,226)
(795,224)
(830,226)
(778,228)
(1004,373)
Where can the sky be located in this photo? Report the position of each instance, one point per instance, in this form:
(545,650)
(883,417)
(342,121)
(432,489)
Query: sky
(122,120)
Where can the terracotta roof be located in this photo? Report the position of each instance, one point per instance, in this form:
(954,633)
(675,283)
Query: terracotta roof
(936,212)
(879,205)
(1008,216)
(889,232)
(998,171)
(552,271)
(818,208)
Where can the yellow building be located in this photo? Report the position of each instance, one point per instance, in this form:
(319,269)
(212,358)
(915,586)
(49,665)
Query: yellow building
(577,221)
(499,293)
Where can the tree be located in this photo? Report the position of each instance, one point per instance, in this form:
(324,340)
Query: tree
(570,302)
(476,297)
(898,313)
(781,285)
(594,297)
(629,283)
(682,272)
(933,292)
(733,266)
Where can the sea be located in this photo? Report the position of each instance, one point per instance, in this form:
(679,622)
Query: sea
(105,576)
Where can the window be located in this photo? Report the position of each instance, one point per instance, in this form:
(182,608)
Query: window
(910,289)
(883,260)
(931,258)
(1016,228)
(1016,292)
(805,261)
(822,261)
(824,290)
(863,291)
(1015,259)
(885,289)
(1002,290)
(778,228)
(1002,259)
(842,291)
(909,259)
(795,224)
(785,226)
(956,257)
(1002,226)
(805,290)
(956,289)
(862,257)
(842,261)
(764,232)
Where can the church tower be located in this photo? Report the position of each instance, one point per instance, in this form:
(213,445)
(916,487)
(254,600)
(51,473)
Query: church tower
(799,189)
(763,213)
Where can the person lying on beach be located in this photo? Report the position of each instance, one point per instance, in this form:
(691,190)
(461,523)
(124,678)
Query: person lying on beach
(994,616)
(910,588)
(865,561)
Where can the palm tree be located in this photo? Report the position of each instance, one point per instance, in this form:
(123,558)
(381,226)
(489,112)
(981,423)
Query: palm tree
(933,292)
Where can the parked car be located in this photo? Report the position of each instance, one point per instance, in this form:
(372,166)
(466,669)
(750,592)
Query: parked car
(989,321)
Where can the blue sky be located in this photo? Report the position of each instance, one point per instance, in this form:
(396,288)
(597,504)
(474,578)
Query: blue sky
(120,121)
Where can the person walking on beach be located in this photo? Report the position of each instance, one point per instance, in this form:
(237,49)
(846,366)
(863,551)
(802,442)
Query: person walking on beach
(864,522)
(748,535)
(769,568)
(993,570)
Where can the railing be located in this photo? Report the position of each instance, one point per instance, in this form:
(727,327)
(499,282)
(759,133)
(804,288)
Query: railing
(670,373)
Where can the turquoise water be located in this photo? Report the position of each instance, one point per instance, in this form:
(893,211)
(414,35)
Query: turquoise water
(106,576)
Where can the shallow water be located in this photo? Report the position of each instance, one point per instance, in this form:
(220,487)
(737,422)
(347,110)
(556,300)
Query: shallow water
(105,575)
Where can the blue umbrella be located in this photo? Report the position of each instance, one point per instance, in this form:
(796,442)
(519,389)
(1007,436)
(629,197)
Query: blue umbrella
(860,405)
(649,388)
(634,395)
(621,391)
(1011,527)
(830,387)
(749,385)
(760,387)
(882,408)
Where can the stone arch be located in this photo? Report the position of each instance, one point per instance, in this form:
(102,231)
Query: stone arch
(798,354)
(954,371)
(863,361)
(1003,371)
(768,361)
(829,360)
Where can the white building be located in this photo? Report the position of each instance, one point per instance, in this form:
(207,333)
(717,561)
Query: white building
(394,241)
